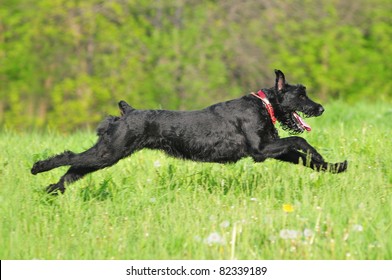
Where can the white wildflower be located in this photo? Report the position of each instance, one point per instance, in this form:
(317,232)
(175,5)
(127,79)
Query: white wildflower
(357,228)
(308,232)
(225,224)
(289,234)
(215,238)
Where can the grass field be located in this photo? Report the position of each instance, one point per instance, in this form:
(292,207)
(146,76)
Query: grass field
(151,206)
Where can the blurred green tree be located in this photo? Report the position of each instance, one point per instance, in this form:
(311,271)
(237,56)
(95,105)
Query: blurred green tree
(64,64)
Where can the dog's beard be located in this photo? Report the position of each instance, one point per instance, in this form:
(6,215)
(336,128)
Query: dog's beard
(292,124)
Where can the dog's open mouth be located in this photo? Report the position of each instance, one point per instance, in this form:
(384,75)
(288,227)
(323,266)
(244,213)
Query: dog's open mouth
(301,123)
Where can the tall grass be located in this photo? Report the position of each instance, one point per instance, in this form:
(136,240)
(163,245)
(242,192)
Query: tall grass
(150,206)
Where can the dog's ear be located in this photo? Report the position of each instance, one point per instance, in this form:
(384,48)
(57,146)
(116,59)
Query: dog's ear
(280,81)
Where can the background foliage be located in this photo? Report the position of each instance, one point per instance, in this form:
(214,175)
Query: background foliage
(64,64)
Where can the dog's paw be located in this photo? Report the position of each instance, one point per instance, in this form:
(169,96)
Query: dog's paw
(37,168)
(339,167)
(54,189)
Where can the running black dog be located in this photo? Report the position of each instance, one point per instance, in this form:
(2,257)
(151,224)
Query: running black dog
(222,133)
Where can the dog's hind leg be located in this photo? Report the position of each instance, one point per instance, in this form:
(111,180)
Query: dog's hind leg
(81,164)
(73,174)
(97,157)
(111,147)
(86,158)
(53,162)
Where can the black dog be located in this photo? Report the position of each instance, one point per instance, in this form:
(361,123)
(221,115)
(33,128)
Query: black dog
(222,133)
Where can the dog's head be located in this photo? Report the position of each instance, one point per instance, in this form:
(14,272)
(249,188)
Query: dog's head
(290,101)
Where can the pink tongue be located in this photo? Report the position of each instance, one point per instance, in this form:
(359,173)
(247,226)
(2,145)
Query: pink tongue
(302,122)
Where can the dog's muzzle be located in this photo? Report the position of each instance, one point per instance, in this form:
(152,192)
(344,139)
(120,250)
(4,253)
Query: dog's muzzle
(320,110)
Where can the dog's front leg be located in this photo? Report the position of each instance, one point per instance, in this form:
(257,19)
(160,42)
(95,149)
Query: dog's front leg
(296,150)
(307,160)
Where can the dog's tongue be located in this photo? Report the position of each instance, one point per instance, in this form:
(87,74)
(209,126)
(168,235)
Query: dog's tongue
(302,122)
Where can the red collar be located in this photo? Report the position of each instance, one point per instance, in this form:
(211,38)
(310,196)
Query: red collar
(261,95)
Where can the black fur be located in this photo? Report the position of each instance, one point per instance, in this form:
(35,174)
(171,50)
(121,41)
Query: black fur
(222,133)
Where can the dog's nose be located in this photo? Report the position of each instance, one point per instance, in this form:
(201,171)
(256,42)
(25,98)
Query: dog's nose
(321,110)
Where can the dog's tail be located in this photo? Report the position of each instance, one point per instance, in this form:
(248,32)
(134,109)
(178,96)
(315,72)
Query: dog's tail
(125,107)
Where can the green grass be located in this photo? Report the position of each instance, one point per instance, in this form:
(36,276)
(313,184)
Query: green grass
(150,206)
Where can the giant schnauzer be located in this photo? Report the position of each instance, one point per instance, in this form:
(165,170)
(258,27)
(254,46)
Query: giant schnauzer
(222,133)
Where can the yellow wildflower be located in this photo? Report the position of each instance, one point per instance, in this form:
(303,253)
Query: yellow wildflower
(288,208)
